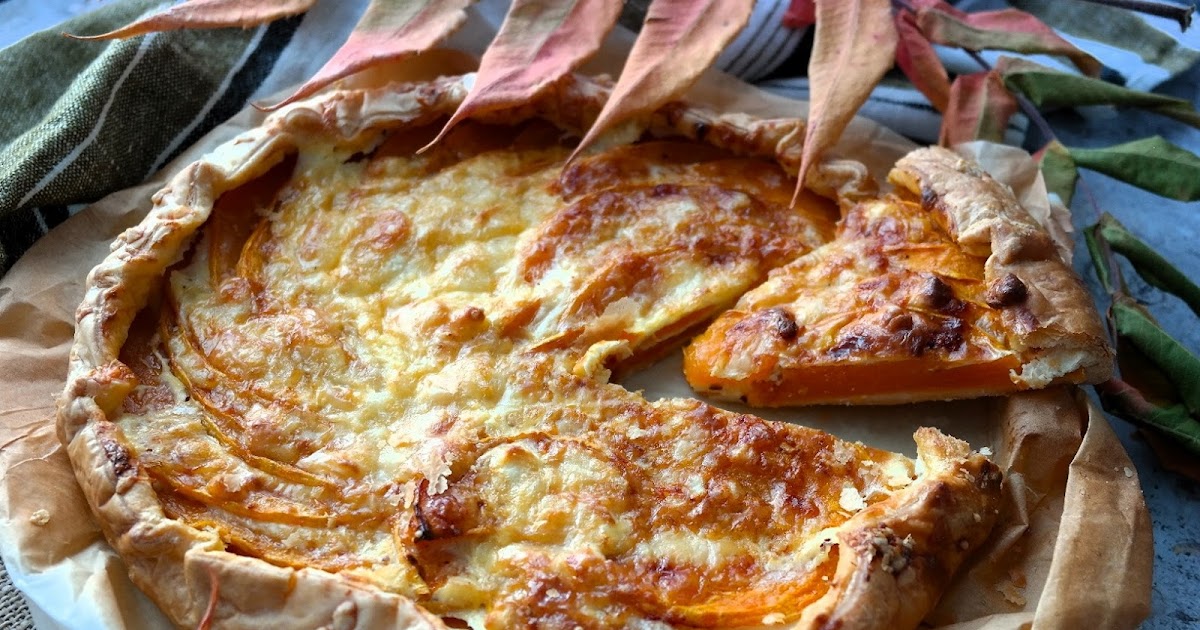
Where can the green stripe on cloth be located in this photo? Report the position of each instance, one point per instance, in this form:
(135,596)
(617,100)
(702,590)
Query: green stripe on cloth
(105,112)
(37,70)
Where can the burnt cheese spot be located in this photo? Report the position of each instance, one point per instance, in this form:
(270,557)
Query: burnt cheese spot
(910,333)
(852,343)
(935,293)
(928,199)
(665,190)
(118,456)
(903,322)
(947,334)
(442,516)
(782,323)
(1007,291)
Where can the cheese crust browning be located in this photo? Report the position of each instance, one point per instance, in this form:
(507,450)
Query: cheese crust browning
(329,382)
(946,288)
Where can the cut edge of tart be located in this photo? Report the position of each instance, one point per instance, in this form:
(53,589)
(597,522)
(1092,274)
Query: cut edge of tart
(692,479)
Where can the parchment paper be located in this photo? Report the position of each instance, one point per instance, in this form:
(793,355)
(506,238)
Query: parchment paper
(1073,542)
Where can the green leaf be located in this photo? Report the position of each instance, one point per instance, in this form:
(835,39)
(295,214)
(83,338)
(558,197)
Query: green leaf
(1181,366)
(1046,87)
(1152,164)
(1155,269)
(1173,421)
(1058,169)
(1092,238)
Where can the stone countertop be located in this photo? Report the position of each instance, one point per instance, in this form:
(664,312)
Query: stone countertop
(1173,228)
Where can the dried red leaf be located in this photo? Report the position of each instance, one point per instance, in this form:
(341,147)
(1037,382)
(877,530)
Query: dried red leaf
(679,39)
(919,61)
(800,14)
(390,30)
(1171,455)
(539,42)
(854,46)
(1007,29)
(979,109)
(208,14)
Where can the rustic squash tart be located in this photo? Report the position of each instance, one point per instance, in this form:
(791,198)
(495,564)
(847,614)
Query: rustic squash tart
(330,381)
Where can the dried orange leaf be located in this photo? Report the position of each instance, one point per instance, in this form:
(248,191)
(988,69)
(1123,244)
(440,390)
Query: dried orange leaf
(1124,400)
(389,30)
(979,109)
(854,46)
(919,61)
(539,42)
(208,14)
(679,39)
(1007,29)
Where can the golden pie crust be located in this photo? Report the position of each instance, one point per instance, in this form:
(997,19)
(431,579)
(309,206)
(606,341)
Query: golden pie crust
(331,383)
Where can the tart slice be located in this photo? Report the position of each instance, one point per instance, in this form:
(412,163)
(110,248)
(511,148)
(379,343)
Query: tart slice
(946,288)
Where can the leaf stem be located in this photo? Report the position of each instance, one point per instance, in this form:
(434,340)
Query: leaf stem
(1181,14)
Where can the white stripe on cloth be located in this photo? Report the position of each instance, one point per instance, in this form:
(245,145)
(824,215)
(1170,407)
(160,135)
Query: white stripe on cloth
(759,48)
(903,110)
(252,46)
(96,127)
(782,44)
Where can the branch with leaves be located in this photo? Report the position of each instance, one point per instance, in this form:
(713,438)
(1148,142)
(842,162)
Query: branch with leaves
(856,42)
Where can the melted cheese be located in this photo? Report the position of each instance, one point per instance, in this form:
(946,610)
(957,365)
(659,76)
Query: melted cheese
(395,367)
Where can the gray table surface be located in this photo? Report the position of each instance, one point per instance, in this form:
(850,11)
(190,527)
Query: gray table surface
(1173,227)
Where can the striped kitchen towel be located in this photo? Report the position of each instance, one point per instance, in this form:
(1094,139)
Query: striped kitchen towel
(79,119)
